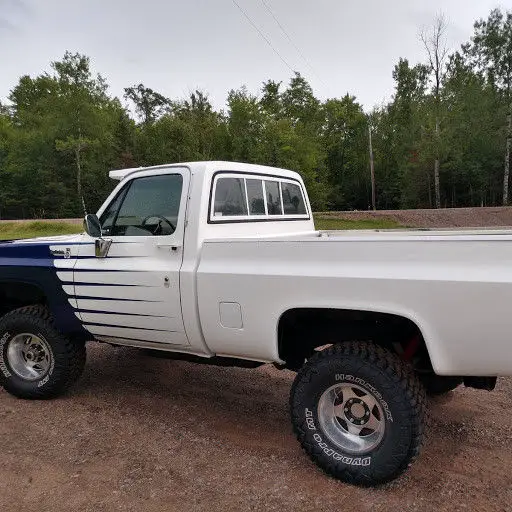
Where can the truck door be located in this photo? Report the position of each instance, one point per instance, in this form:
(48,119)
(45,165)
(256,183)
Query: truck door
(132,294)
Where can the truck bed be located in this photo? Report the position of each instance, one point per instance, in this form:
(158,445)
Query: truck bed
(446,282)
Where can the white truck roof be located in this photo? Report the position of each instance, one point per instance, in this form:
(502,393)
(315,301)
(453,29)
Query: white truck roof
(201,167)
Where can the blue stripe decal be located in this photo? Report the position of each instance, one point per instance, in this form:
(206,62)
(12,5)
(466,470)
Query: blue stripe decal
(60,257)
(105,270)
(78,310)
(126,327)
(31,251)
(108,336)
(21,261)
(77,283)
(47,243)
(89,297)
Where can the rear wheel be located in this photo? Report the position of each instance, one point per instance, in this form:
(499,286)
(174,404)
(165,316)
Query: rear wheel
(36,361)
(359,412)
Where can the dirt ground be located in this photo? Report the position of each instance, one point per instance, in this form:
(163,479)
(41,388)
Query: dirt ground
(140,433)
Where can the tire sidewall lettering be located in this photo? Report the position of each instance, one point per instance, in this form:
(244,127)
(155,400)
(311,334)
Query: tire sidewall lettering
(331,452)
(342,377)
(310,422)
(46,378)
(3,365)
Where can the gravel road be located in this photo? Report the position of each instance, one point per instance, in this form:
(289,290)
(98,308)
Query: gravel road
(140,433)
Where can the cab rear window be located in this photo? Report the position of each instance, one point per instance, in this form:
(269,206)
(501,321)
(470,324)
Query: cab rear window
(238,198)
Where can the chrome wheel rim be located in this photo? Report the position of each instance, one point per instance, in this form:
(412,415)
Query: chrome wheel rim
(351,417)
(29,356)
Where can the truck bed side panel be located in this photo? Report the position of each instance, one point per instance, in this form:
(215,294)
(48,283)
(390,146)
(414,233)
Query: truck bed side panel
(458,291)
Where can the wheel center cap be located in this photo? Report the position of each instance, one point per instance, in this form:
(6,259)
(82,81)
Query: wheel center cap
(34,354)
(357,410)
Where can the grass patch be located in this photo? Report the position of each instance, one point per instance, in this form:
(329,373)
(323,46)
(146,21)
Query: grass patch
(15,230)
(332,223)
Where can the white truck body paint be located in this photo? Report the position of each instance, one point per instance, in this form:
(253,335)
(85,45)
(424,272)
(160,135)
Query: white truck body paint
(456,286)
(443,283)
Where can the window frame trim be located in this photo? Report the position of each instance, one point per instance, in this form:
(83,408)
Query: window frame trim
(212,219)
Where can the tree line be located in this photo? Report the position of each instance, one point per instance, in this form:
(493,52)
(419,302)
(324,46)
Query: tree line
(443,140)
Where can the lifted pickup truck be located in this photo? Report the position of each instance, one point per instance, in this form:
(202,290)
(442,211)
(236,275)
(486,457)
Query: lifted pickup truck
(220,262)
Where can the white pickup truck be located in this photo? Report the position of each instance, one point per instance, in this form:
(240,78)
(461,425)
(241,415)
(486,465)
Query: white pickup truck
(220,262)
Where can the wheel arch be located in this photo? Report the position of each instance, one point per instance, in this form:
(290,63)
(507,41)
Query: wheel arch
(301,330)
(17,293)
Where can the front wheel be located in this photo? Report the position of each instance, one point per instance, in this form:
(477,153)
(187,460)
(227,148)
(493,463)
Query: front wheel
(359,412)
(36,361)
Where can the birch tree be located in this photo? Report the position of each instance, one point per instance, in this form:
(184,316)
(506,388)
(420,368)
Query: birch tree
(434,41)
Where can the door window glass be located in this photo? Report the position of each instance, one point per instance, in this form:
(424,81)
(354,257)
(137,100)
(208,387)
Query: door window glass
(150,206)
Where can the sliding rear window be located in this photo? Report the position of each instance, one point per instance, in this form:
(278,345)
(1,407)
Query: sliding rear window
(238,198)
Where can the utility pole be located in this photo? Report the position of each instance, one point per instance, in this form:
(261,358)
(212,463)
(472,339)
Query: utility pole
(372,170)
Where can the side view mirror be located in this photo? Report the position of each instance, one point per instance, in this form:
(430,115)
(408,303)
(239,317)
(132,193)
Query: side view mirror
(92,225)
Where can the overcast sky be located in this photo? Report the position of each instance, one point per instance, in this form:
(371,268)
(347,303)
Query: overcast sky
(176,46)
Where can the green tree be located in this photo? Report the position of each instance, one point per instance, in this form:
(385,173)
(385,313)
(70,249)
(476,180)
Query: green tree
(63,124)
(400,133)
(6,133)
(298,101)
(149,104)
(491,53)
(271,101)
(245,124)
(474,131)
(344,137)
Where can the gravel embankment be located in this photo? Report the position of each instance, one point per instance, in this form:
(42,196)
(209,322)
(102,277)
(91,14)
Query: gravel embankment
(443,218)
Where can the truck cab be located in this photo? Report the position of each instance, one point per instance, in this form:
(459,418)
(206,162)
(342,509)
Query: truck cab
(135,281)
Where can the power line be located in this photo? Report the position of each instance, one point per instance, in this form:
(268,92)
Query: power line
(292,42)
(267,40)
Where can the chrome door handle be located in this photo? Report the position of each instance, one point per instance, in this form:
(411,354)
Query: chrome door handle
(173,246)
